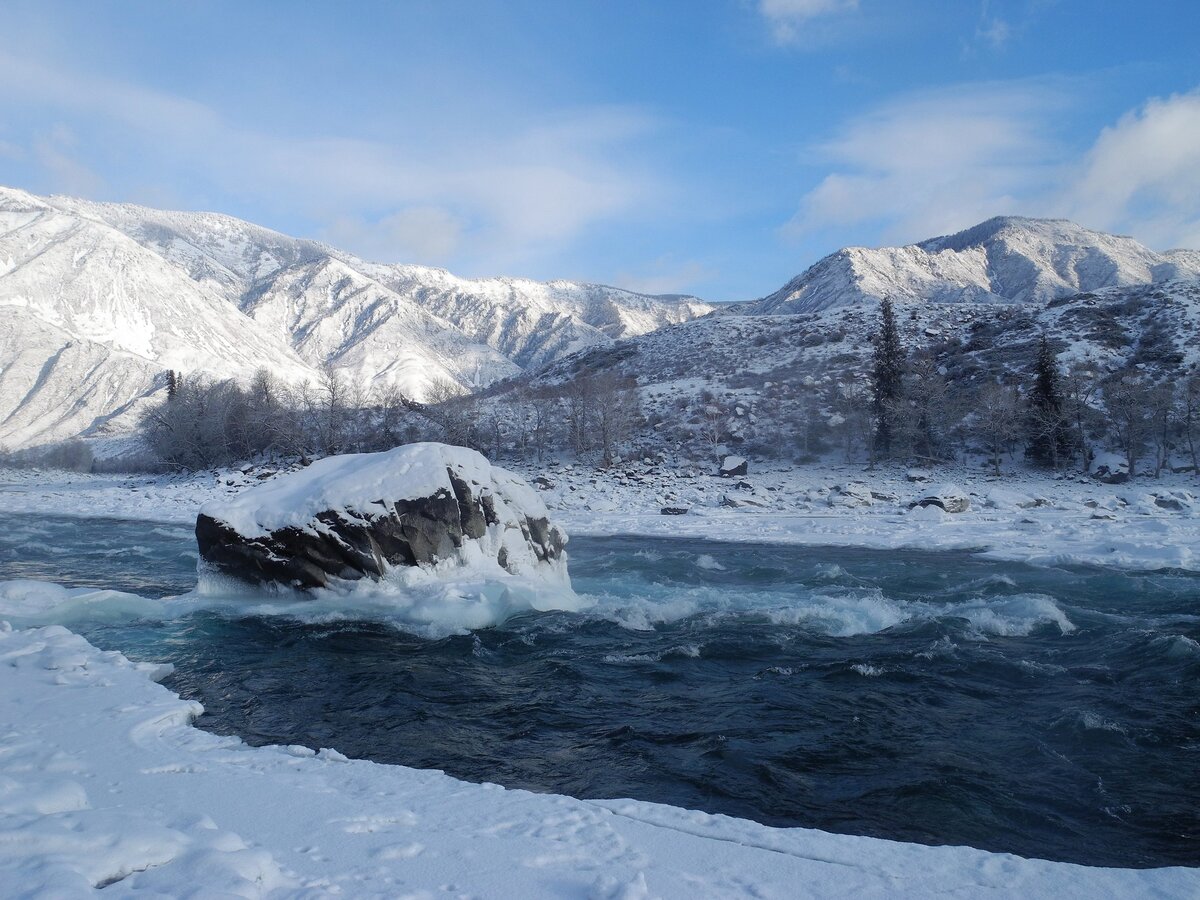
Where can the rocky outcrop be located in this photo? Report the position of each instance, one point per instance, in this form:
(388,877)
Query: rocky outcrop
(948,497)
(733,466)
(357,516)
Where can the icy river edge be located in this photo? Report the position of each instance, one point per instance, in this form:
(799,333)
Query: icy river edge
(104,781)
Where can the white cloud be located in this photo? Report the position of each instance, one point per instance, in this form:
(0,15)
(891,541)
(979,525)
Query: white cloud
(666,275)
(788,19)
(507,191)
(995,32)
(56,152)
(426,233)
(929,162)
(935,162)
(1143,174)
(992,30)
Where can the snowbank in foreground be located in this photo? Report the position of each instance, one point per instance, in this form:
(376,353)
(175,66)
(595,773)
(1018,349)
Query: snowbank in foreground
(104,783)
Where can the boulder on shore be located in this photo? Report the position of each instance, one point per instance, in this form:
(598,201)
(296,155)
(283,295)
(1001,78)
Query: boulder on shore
(359,515)
(732,466)
(948,497)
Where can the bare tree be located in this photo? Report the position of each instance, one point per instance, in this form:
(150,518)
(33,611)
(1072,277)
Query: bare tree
(1190,409)
(1128,401)
(1082,388)
(454,410)
(997,419)
(714,431)
(332,392)
(922,417)
(617,408)
(541,411)
(580,412)
(1163,412)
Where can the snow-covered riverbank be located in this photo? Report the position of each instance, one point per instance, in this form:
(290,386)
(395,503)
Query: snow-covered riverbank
(104,782)
(1145,524)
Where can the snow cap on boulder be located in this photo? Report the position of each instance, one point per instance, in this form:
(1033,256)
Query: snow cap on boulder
(733,465)
(949,497)
(358,515)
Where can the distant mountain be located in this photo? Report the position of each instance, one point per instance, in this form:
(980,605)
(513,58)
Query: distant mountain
(528,322)
(98,300)
(976,304)
(1003,260)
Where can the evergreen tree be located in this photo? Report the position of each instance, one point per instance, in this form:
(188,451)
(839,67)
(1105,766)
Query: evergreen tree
(172,384)
(1049,438)
(887,376)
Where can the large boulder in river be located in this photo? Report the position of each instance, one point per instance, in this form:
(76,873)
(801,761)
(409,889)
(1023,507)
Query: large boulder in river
(359,515)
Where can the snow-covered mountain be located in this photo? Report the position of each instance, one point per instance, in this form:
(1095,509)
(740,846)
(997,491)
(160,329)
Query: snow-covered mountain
(976,304)
(98,300)
(90,319)
(528,322)
(1005,259)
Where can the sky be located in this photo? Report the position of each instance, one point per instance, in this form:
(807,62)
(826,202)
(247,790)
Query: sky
(711,147)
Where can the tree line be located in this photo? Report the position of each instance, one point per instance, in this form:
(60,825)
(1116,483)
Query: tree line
(902,406)
(1058,417)
(204,422)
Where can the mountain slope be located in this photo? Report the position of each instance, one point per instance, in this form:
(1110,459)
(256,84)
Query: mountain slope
(88,317)
(1003,260)
(530,322)
(99,299)
(333,314)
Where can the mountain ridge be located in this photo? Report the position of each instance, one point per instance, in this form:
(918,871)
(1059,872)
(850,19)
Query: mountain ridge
(1003,259)
(136,291)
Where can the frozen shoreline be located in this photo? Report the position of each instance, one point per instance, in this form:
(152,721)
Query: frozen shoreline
(1146,524)
(104,781)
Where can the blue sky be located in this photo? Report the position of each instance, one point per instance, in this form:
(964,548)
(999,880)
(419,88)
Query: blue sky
(716,147)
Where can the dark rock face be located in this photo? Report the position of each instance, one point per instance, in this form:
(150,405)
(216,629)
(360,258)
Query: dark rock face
(733,466)
(1111,474)
(947,497)
(356,543)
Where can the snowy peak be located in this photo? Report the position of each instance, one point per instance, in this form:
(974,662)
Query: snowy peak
(1008,259)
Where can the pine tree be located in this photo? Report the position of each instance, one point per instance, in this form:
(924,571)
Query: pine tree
(1049,440)
(887,376)
(172,384)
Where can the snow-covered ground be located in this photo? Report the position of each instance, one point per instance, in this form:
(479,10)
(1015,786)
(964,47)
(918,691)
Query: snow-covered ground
(104,781)
(1145,524)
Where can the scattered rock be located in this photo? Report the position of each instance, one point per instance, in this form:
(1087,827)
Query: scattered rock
(735,502)
(853,494)
(1110,468)
(675,510)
